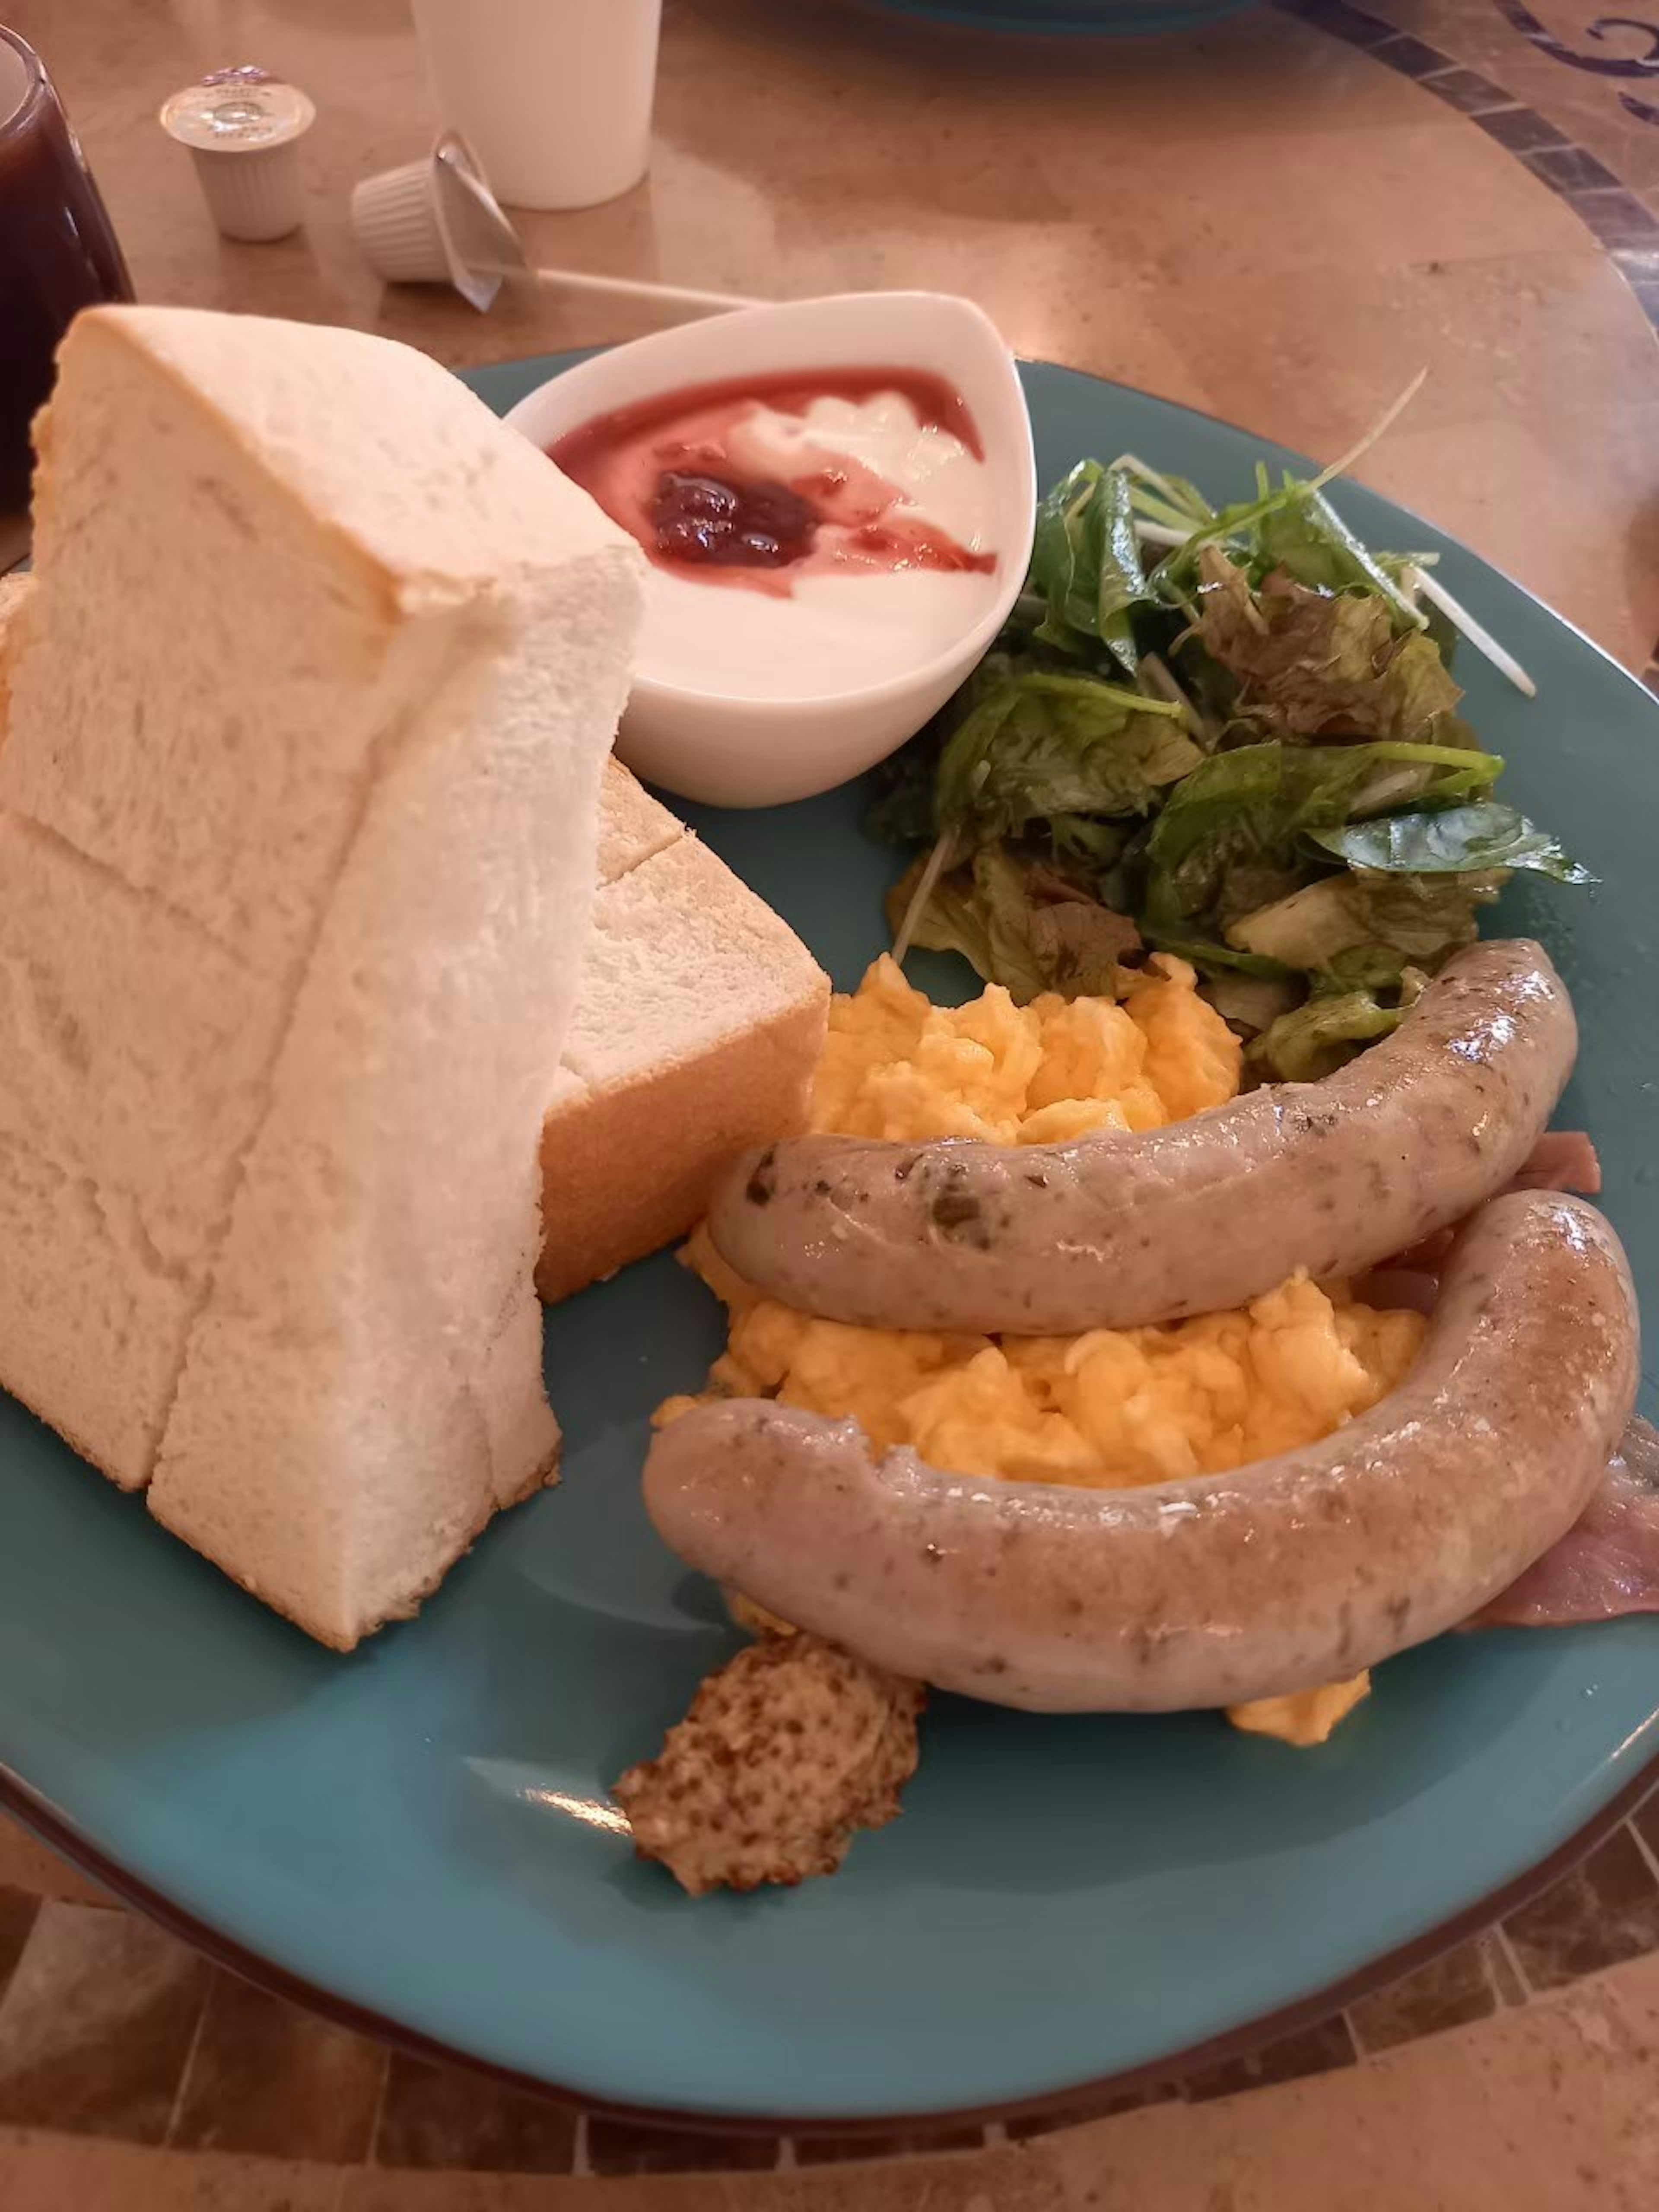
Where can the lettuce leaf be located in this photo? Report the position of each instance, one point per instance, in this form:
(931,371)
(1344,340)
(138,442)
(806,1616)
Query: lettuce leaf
(1080,837)
(1308,661)
(1085,563)
(1175,502)
(1044,745)
(1454,841)
(1315,1039)
(1414,698)
(901,806)
(1304,535)
(1331,834)
(1421,919)
(1295,529)
(1370,967)
(1251,1003)
(1363,995)
(1217,960)
(1229,839)
(1019,925)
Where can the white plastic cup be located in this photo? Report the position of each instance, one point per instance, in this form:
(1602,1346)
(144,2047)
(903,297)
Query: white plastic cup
(243,127)
(394,219)
(433,222)
(553,96)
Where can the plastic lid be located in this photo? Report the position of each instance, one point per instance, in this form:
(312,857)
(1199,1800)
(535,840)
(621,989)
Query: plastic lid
(237,111)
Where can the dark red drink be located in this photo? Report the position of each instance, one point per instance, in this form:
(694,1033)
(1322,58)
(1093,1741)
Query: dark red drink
(57,254)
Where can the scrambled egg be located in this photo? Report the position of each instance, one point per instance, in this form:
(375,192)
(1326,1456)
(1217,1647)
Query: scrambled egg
(1109,1409)
(894,1064)
(1305,1716)
(1113,1407)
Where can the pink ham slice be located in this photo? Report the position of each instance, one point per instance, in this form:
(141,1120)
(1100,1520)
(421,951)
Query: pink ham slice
(1607,1564)
(1562,1159)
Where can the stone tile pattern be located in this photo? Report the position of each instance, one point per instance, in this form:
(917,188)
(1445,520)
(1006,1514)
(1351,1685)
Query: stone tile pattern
(109,2028)
(1614,215)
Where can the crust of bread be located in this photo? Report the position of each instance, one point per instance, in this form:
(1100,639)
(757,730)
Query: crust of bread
(627,1165)
(81,1450)
(626,1169)
(14,592)
(698,1027)
(323,479)
(542,1478)
(527,575)
(629,1159)
(634,827)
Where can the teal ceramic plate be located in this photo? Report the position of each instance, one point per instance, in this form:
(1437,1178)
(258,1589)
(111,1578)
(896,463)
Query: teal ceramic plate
(421,1831)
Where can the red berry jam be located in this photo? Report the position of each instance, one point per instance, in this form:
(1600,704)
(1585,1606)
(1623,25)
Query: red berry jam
(731,524)
(663,470)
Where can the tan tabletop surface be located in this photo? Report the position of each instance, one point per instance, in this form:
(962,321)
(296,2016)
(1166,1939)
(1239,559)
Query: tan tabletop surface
(1279,220)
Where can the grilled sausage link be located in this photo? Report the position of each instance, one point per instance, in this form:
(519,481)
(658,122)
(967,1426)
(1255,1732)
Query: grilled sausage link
(1296,1570)
(1112,1231)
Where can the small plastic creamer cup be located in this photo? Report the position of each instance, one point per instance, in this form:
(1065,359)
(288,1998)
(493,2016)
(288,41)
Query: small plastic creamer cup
(433,222)
(243,127)
(553,96)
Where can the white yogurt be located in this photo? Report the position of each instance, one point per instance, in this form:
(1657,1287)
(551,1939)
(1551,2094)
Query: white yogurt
(839,628)
(835,633)
(942,481)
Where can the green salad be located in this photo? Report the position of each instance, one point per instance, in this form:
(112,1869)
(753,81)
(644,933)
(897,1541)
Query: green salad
(1227,734)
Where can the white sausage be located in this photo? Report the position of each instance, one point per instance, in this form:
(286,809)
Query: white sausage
(1114,1230)
(1296,1570)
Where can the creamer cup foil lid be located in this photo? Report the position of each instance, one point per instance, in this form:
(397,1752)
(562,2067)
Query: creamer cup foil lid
(236,111)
